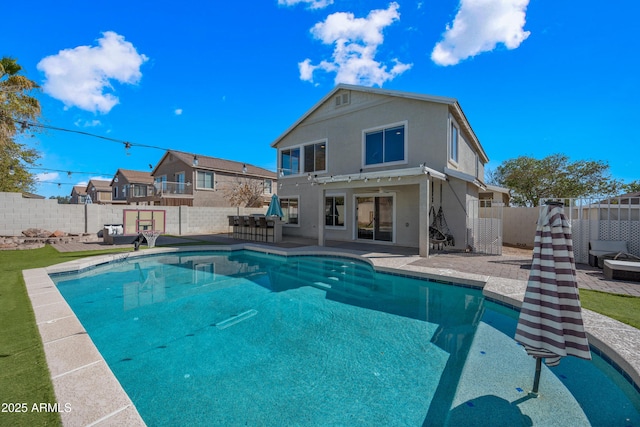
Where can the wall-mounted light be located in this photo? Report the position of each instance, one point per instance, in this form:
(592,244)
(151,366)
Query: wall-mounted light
(244,168)
(195,160)
(115,179)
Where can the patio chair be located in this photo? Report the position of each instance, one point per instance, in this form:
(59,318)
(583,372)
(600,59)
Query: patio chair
(599,248)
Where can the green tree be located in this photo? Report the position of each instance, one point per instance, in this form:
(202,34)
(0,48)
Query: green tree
(17,106)
(554,176)
(631,187)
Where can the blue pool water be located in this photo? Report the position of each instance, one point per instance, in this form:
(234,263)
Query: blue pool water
(245,338)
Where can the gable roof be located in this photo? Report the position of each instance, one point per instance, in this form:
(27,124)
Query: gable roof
(100,184)
(134,177)
(217,164)
(80,190)
(454,107)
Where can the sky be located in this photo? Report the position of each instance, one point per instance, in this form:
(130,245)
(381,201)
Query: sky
(226,79)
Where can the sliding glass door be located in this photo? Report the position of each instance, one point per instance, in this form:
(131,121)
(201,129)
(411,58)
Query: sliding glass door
(374,218)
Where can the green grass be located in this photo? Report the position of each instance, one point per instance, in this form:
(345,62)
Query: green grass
(24,375)
(624,308)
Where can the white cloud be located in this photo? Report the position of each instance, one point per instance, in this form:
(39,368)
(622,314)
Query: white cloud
(311,4)
(356,41)
(178,111)
(479,26)
(87,123)
(47,176)
(80,77)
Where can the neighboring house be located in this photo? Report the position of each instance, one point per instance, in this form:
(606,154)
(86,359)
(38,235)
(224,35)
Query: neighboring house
(367,164)
(195,180)
(78,195)
(494,196)
(99,191)
(129,186)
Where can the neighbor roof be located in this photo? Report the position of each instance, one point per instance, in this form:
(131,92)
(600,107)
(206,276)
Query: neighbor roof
(100,184)
(137,177)
(216,164)
(451,102)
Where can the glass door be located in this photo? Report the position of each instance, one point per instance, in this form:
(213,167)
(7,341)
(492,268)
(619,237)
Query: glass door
(374,218)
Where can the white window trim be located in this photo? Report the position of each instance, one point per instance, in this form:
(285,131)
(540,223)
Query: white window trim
(213,180)
(337,227)
(297,197)
(453,122)
(363,154)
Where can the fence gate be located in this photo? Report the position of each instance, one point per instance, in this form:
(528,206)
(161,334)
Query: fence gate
(484,227)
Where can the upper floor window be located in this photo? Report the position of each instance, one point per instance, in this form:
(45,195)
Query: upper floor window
(315,156)
(386,145)
(453,143)
(115,192)
(290,161)
(204,180)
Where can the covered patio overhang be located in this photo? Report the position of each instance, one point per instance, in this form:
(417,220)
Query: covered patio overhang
(420,176)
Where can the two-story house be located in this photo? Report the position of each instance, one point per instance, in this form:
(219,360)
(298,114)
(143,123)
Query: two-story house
(99,191)
(370,165)
(195,180)
(129,186)
(78,195)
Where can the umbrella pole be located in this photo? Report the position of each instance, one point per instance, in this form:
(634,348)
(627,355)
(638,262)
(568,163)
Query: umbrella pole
(536,378)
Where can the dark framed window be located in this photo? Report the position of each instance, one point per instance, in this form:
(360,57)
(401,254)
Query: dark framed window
(384,146)
(334,211)
(315,157)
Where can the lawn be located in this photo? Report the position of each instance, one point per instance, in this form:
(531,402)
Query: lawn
(24,376)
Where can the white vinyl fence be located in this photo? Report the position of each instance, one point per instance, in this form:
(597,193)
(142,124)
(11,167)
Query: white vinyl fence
(484,228)
(615,218)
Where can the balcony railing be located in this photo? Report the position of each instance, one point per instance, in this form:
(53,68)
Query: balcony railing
(162,189)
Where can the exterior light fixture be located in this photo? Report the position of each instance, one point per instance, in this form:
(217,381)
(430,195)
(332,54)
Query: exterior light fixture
(195,160)
(244,168)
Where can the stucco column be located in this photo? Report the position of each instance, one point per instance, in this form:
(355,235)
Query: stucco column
(321,193)
(423,209)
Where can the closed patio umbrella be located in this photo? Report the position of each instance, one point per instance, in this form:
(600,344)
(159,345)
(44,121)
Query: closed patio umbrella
(550,323)
(274,207)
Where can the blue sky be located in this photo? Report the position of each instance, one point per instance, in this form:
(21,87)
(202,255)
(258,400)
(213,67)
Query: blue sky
(225,79)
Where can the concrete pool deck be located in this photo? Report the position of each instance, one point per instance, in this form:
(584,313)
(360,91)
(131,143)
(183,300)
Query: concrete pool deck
(82,379)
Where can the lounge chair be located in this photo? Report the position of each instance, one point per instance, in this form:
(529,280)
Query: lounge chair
(599,248)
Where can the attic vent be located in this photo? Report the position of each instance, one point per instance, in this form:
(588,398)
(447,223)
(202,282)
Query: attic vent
(342,99)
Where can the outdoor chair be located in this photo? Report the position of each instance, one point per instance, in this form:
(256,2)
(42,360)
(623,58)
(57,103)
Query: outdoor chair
(599,248)
(266,226)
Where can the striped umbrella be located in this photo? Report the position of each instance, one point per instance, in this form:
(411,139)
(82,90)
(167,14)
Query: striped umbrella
(550,324)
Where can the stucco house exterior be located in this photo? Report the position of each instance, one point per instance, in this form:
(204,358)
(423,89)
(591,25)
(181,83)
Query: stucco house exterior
(99,191)
(78,195)
(129,186)
(367,164)
(191,179)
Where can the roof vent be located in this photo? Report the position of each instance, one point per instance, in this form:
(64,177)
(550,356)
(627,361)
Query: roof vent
(342,99)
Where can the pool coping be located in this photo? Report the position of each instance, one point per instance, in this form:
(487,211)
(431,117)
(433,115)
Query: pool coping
(84,383)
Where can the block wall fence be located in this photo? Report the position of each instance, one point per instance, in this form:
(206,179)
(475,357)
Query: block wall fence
(18,214)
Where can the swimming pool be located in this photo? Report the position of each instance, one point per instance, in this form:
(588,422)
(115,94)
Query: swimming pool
(230,338)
